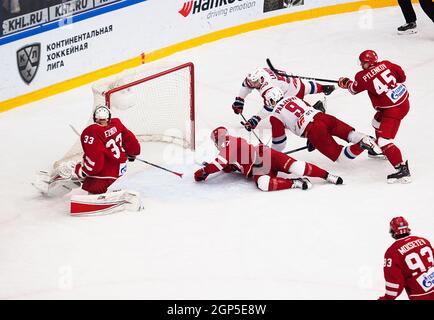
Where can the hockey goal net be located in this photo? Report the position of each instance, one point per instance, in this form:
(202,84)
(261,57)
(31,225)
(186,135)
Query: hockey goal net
(156,102)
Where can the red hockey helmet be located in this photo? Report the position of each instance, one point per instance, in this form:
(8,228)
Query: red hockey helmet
(398,226)
(219,136)
(368,56)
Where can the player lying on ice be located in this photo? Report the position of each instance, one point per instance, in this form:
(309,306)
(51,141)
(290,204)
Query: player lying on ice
(319,128)
(107,145)
(261,163)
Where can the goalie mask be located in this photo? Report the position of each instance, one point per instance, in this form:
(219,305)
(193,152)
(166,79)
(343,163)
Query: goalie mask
(272,96)
(256,78)
(219,136)
(101,113)
(399,226)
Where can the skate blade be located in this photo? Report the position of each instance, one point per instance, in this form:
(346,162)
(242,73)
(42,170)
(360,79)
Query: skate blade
(407,32)
(403,180)
(379,157)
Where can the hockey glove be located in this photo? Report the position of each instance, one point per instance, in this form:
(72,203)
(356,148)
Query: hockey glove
(344,83)
(200,175)
(131,158)
(328,89)
(251,123)
(238,105)
(319,105)
(310,146)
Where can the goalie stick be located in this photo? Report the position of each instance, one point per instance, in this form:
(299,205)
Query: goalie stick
(284,74)
(157,166)
(144,161)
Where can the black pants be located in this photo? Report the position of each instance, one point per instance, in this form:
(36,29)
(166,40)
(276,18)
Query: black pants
(408,11)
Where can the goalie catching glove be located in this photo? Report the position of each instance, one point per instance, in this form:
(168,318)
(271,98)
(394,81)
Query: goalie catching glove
(251,123)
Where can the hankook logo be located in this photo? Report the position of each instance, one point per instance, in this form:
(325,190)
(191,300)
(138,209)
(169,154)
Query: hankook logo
(196,6)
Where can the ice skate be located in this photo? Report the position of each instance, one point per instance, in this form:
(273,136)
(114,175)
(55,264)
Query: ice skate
(401,176)
(301,183)
(408,28)
(334,179)
(368,143)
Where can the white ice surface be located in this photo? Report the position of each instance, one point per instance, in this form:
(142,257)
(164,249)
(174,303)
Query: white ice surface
(224,239)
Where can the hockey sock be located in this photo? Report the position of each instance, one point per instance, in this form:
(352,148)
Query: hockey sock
(312,170)
(278,183)
(350,152)
(393,154)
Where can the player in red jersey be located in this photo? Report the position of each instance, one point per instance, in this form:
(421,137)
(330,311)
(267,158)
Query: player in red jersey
(107,145)
(408,264)
(383,80)
(260,162)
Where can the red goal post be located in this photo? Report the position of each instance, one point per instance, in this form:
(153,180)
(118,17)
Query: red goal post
(156,101)
(174,102)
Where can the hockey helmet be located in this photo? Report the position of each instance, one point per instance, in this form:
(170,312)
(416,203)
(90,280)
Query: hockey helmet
(399,226)
(368,56)
(219,136)
(272,96)
(255,78)
(102,113)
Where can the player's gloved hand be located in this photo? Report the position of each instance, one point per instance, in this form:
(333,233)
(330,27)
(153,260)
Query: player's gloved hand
(131,158)
(200,175)
(238,105)
(310,146)
(251,123)
(319,105)
(230,168)
(328,89)
(344,82)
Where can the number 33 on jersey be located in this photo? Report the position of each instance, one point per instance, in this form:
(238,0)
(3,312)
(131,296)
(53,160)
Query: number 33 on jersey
(106,149)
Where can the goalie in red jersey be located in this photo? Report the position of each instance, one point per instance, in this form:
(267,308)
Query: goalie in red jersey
(384,82)
(107,145)
(408,264)
(261,163)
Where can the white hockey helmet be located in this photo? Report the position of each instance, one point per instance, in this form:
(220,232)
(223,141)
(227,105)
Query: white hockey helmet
(272,96)
(255,78)
(102,113)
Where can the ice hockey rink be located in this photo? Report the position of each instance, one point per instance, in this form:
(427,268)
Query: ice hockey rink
(225,239)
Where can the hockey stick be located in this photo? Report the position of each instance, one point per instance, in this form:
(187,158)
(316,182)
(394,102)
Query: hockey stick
(296,150)
(284,74)
(244,118)
(154,165)
(75,130)
(151,164)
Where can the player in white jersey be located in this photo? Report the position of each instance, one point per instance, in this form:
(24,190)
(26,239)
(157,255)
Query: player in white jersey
(262,80)
(319,128)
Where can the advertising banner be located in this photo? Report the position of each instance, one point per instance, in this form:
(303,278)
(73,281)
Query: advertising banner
(81,42)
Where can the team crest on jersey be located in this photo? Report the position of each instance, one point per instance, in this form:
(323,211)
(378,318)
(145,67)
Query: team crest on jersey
(28,58)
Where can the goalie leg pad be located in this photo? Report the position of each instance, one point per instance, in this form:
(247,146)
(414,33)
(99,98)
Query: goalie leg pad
(106,203)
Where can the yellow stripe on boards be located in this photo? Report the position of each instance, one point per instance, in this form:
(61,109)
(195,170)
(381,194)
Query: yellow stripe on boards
(164,52)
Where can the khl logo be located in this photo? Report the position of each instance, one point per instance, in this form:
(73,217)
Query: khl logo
(186,8)
(28,58)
